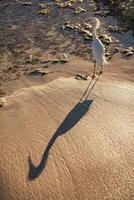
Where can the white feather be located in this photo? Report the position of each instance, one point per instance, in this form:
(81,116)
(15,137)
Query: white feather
(98,48)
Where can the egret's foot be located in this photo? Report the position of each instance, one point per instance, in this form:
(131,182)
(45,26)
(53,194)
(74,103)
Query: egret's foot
(93,76)
(100,72)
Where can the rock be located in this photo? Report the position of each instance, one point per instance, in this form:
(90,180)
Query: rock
(55,61)
(26,3)
(107,54)
(106,39)
(114,29)
(77,26)
(65,58)
(67,26)
(87,26)
(42,5)
(85,31)
(43,11)
(13,67)
(115,49)
(67,4)
(102,13)
(79,10)
(88,36)
(81,77)
(77,77)
(31,59)
(128,51)
(85,77)
(38,72)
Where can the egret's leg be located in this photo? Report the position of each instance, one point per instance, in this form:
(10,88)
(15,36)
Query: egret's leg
(101,70)
(94,73)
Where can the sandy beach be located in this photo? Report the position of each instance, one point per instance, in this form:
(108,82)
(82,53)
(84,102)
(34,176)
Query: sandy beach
(62,138)
(54,147)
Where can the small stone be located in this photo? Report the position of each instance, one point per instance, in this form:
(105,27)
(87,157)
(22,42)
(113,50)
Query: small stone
(26,3)
(65,57)
(116,49)
(114,29)
(32,59)
(79,10)
(43,11)
(106,39)
(107,54)
(85,77)
(130,53)
(42,5)
(81,77)
(77,77)
(87,26)
(11,67)
(102,13)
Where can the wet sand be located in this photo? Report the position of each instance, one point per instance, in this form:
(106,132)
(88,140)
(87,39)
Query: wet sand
(52,146)
(90,156)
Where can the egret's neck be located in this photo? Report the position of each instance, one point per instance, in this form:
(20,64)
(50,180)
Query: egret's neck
(96,26)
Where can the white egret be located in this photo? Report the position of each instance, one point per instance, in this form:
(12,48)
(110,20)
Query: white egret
(98,49)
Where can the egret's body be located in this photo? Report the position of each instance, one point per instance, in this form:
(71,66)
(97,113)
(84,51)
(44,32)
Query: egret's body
(98,52)
(98,49)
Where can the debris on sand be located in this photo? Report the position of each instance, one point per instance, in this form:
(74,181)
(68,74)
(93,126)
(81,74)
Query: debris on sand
(26,3)
(79,10)
(31,59)
(87,26)
(106,39)
(42,5)
(65,58)
(79,28)
(67,4)
(102,13)
(128,51)
(81,77)
(13,67)
(43,11)
(67,26)
(114,29)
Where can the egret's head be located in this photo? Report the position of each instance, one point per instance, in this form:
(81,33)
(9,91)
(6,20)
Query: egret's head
(95,22)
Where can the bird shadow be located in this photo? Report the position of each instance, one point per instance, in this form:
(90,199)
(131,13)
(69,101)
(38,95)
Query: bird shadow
(89,89)
(86,90)
(72,118)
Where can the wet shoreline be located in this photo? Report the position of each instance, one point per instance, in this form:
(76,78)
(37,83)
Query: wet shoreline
(27,33)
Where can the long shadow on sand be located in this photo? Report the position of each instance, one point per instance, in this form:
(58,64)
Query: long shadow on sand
(69,122)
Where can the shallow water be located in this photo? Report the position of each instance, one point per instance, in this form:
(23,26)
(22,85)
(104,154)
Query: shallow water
(23,28)
(24,32)
(125,38)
